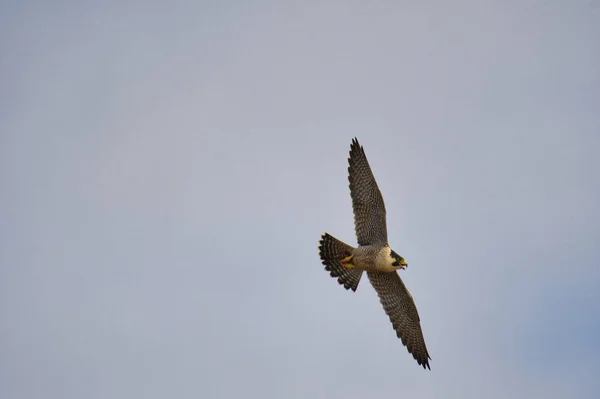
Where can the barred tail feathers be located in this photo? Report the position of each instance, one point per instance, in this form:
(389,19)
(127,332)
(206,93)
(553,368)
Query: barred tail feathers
(331,251)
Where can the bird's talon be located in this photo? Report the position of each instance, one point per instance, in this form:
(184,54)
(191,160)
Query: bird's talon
(347,262)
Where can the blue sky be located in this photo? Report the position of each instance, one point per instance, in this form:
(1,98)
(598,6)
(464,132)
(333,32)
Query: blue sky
(167,170)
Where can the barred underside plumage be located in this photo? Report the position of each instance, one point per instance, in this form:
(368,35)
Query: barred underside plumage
(367,202)
(331,251)
(400,307)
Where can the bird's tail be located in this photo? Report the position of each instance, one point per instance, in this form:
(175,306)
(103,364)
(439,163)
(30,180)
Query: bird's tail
(332,251)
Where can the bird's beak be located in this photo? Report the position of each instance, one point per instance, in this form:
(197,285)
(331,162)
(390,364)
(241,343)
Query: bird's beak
(403,262)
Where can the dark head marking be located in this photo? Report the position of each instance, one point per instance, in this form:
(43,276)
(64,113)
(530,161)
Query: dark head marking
(398,259)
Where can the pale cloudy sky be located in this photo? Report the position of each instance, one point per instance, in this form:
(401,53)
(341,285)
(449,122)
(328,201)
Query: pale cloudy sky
(167,168)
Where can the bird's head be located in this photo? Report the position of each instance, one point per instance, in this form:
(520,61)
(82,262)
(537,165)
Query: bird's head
(398,261)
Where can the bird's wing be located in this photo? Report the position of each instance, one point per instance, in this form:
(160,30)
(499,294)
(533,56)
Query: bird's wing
(367,202)
(400,307)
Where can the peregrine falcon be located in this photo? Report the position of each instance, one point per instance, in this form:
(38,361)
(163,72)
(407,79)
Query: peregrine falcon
(374,256)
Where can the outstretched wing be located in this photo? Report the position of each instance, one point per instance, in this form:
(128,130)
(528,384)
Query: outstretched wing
(400,307)
(367,202)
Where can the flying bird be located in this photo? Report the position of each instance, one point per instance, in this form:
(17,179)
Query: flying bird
(374,256)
